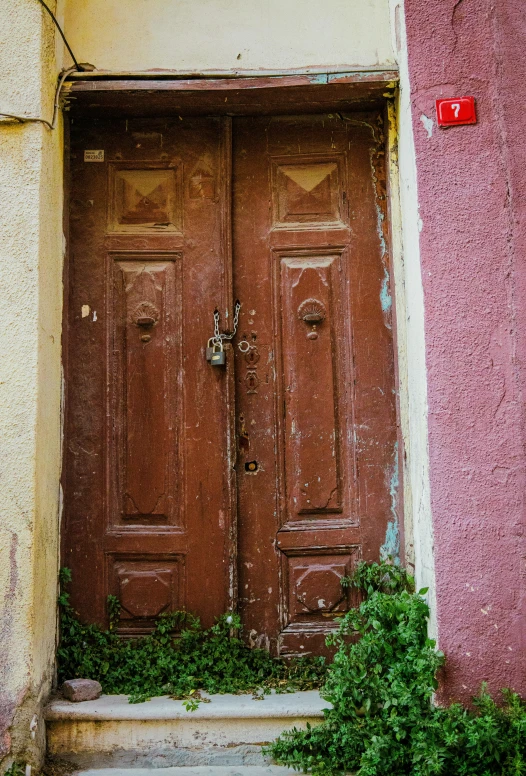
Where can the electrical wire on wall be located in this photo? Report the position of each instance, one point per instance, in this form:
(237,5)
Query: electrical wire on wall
(53,123)
(59,28)
(62,77)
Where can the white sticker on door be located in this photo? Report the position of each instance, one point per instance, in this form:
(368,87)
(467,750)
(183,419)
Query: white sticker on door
(94,156)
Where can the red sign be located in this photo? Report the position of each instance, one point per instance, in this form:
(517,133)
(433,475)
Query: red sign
(458,110)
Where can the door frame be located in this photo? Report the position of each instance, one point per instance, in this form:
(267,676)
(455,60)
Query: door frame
(119,95)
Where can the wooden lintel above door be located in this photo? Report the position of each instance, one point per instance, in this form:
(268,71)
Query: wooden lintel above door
(111,95)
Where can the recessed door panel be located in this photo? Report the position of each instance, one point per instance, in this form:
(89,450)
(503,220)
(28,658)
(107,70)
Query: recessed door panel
(315,360)
(146,398)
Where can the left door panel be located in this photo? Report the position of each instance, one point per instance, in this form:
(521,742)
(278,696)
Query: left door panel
(148,501)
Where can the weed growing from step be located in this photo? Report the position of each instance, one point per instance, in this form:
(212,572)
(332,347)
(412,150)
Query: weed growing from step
(15,769)
(215,660)
(380,684)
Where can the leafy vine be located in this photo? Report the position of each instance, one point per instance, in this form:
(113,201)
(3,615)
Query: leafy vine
(382,721)
(179,658)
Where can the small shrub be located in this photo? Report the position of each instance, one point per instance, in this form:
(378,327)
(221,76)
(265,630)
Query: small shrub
(15,769)
(383,722)
(179,658)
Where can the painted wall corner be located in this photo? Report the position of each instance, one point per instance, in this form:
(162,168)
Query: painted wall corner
(30,327)
(410,329)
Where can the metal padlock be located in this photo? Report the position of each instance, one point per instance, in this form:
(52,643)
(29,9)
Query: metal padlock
(218,354)
(209,349)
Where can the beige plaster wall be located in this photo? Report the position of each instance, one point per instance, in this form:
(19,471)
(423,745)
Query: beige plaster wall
(30,377)
(228,34)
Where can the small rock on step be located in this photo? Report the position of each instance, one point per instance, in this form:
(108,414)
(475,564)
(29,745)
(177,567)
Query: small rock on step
(77,690)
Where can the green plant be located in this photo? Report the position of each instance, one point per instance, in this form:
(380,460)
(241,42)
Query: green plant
(179,658)
(380,685)
(15,769)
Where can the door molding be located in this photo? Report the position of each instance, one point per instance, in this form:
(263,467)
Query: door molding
(103,94)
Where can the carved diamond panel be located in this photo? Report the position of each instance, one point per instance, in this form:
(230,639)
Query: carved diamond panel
(144,593)
(315,592)
(145,589)
(201,183)
(318,589)
(306,192)
(314,585)
(146,198)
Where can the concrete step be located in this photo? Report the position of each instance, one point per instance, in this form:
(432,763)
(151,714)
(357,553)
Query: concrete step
(228,732)
(218,770)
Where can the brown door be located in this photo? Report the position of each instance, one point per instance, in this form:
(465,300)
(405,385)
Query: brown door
(148,481)
(156,436)
(315,393)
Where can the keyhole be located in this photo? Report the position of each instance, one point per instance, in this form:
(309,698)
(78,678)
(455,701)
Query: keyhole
(252,357)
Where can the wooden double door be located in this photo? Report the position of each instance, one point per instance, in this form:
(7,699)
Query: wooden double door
(255,486)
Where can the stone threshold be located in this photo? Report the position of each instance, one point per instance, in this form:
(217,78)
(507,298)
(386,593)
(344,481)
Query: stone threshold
(211,770)
(307,704)
(230,731)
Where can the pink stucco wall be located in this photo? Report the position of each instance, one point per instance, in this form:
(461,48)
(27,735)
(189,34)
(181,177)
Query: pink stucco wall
(472,197)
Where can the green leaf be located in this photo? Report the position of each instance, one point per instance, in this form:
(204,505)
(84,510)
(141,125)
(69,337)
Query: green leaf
(379,685)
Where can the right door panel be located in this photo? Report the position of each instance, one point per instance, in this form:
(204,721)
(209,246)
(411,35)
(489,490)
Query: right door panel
(316,408)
